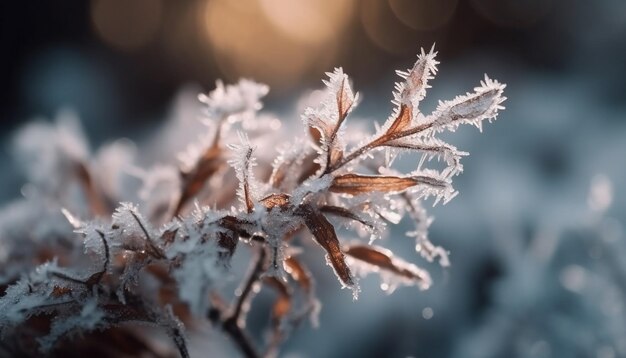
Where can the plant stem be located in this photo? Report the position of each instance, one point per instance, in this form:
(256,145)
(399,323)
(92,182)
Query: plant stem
(387,137)
(234,323)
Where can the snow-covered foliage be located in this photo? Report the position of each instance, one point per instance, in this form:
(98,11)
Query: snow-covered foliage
(78,258)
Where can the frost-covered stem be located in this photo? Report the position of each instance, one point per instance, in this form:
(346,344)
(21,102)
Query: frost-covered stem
(355,154)
(377,143)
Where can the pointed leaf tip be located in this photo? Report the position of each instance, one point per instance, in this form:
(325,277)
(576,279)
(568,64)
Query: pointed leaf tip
(324,234)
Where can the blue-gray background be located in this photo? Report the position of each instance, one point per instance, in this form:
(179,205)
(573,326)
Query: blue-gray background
(535,271)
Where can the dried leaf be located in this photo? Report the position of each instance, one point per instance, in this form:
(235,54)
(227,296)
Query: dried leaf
(193,181)
(315,134)
(299,273)
(471,108)
(383,259)
(324,234)
(273,200)
(309,168)
(413,89)
(356,184)
(303,277)
(236,225)
(345,213)
(282,305)
(96,200)
(294,165)
(345,101)
(402,121)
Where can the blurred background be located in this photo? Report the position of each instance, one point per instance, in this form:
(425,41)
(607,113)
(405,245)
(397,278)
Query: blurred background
(536,235)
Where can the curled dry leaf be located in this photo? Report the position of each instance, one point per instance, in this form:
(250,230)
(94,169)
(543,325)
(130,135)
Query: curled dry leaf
(383,260)
(299,273)
(273,200)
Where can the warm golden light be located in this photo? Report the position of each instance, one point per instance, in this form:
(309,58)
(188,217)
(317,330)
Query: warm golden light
(423,15)
(384,29)
(311,21)
(126,25)
(274,42)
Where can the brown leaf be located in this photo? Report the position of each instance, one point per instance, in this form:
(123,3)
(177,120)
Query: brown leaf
(240,228)
(345,213)
(96,200)
(58,291)
(384,259)
(345,100)
(334,156)
(299,273)
(356,184)
(273,200)
(315,134)
(282,305)
(320,127)
(194,180)
(309,168)
(295,169)
(402,121)
(324,234)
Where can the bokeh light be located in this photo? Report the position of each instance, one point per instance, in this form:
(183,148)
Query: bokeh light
(127,25)
(383,28)
(423,15)
(275,42)
(310,21)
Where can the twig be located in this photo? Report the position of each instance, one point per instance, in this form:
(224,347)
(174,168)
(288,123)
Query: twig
(380,141)
(156,251)
(242,302)
(234,323)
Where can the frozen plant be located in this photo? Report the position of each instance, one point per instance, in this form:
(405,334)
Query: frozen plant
(162,261)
